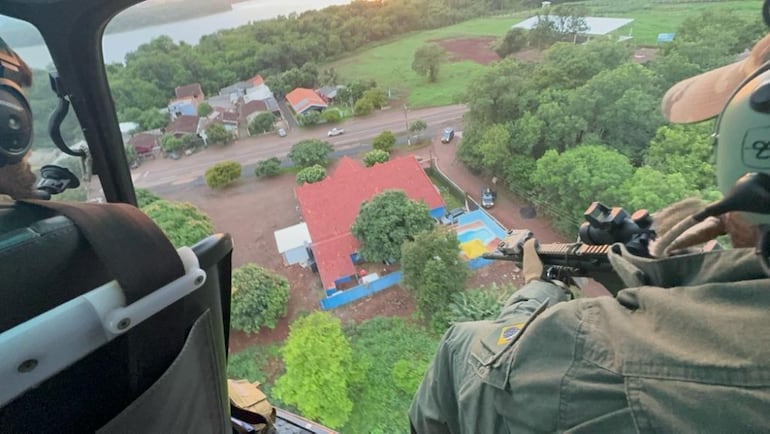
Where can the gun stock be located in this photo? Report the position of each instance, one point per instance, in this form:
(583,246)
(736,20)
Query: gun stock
(582,259)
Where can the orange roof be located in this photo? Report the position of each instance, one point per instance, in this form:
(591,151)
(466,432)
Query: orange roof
(302,99)
(257,80)
(330,207)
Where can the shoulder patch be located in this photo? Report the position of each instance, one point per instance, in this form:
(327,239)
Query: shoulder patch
(508,333)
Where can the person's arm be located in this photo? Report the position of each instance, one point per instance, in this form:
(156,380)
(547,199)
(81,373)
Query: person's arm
(435,400)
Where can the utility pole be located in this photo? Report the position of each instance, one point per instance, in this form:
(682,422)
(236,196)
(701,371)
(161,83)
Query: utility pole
(406,122)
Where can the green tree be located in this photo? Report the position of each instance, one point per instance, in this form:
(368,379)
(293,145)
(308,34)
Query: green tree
(407,374)
(570,181)
(495,148)
(182,222)
(260,298)
(513,41)
(418,126)
(262,123)
(170,143)
(543,34)
(332,116)
(652,190)
(384,141)
(317,358)
(268,168)
(376,96)
(310,152)
(385,222)
(131,155)
(427,61)
(363,107)
(217,134)
(375,156)
(311,174)
(152,119)
(684,149)
(433,270)
(223,174)
(204,109)
(310,118)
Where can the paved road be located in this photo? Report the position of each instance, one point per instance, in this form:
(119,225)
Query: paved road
(358,135)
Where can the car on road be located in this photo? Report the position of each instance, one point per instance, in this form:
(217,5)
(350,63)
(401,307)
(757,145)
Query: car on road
(488,197)
(451,216)
(336,132)
(448,135)
(281,132)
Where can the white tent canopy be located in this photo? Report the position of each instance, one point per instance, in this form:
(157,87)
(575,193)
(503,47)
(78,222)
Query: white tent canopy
(292,237)
(597,26)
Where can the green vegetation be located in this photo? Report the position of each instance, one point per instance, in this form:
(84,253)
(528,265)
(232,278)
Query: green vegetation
(375,156)
(182,222)
(260,298)
(385,222)
(268,168)
(217,134)
(262,123)
(384,141)
(319,363)
(257,363)
(450,199)
(311,152)
(223,174)
(311,174)
(393,356)
(432,269)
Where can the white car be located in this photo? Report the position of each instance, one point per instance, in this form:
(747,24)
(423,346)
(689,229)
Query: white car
(335,132)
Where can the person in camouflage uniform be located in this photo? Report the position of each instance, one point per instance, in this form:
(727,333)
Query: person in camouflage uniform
(683,349)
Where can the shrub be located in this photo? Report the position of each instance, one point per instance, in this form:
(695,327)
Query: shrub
(267,168)
(363,107)
(223,174)
(310,119)
(332,116)
(375,156)
(384,141)
(310,152)
(311,174)
(260,298)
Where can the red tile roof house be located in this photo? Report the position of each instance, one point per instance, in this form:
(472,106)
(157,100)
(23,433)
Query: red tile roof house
(304,100)
(145,144)
(330,207)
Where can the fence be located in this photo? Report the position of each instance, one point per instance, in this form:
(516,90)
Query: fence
(364,290)
(455,189)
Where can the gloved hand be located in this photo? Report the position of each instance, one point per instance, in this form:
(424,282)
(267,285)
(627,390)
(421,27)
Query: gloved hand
(531,264)
(676,230)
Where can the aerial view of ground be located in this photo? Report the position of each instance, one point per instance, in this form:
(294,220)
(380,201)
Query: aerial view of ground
(478,49)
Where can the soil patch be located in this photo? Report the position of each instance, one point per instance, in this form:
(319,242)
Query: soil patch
(478,50)
(644,55)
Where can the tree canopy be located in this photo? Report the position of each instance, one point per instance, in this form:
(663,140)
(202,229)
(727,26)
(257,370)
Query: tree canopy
(182,222)
(385,222)
(432,268)
(317,358)
(427,61)
(260,298)
(311,152)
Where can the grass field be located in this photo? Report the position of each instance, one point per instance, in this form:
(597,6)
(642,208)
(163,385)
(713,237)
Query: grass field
(651,19)
(390,63)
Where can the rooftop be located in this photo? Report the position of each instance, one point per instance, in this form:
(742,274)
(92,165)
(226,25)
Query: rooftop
(184,124)
(189,91)
(301,99)
(597,26)
(331,206)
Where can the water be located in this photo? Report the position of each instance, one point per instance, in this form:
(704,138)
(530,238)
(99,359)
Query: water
(482,234)
(117,45)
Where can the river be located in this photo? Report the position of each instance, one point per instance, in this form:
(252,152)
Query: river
(117,45)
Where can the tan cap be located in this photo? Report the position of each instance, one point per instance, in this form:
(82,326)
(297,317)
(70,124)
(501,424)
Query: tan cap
(703,96)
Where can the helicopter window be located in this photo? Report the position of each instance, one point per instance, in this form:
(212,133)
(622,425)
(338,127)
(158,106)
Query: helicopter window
(28,44)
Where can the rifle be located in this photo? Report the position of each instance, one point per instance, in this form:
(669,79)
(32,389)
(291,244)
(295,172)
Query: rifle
(604,227)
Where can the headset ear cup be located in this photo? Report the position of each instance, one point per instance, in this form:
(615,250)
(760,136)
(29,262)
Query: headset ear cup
(15,123)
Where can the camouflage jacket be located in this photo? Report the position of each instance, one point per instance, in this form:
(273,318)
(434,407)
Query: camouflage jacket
(685,349)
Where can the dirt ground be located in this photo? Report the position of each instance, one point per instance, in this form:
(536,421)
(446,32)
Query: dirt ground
(644,55)
(478,50)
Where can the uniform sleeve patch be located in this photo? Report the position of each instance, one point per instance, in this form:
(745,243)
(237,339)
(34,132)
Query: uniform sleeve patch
(508,333)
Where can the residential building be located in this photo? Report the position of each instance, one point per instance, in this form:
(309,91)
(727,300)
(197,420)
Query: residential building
(304,100)
(252,109)
(183,125)
(330,207)
(145,143)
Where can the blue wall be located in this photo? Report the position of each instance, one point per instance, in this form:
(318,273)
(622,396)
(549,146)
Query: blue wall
(344,297)
(438,212)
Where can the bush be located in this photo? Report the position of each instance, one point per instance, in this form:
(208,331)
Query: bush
(268,168)
(332,116)
(181,222)
(262,123)
(217,134)
(145,197)
(310,119)
(384,141)
(375,156)
(260,298)
(363,107)
(223,174)
(310,152)
(311,174)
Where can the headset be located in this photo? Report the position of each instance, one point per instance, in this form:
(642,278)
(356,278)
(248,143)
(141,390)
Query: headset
(15,111)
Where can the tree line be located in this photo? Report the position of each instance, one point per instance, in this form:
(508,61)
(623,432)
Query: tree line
(584,124)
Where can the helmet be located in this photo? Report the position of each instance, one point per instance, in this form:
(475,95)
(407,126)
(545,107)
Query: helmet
(15,112)
(743,134)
